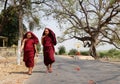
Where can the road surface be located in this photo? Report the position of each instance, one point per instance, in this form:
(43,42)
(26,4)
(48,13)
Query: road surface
(70,71)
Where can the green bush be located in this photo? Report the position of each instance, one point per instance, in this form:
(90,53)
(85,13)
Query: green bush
(62,50)
(72,52)
(102,54)
(112,53)
(84,52)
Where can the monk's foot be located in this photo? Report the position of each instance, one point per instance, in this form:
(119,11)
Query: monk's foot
(50,70)
(29,73)
(47,71)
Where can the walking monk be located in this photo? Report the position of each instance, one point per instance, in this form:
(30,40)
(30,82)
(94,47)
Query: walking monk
(48,41)
(29,46)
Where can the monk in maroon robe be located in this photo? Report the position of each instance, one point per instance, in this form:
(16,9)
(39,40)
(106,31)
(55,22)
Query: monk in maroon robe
(29,47)
(48,42)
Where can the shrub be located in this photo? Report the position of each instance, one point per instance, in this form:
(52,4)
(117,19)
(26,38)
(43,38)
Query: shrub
(102,54)
(72,52)
(84,52)
(62,50)
(112,53)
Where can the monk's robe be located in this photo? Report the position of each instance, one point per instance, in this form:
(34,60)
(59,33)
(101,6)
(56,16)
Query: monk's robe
(48,50)
(29,53)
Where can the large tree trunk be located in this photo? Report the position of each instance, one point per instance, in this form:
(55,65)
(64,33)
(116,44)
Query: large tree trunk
(93,52)
(20,32)
(20,36)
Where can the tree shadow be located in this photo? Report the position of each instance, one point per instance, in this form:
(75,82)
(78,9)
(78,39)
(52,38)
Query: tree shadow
(26,72)
(39,72)
(17,72)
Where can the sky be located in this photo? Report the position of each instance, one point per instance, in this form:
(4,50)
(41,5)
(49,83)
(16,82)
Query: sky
(69,44)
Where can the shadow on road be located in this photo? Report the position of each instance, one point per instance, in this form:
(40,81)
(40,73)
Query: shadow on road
(39,71)
(18,73)
(26,72)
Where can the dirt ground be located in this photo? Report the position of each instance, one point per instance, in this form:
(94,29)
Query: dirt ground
(10,72)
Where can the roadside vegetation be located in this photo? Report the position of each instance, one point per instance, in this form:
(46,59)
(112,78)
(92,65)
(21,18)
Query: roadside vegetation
(111,55)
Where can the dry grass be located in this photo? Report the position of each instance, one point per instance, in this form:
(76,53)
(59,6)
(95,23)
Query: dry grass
(10,72)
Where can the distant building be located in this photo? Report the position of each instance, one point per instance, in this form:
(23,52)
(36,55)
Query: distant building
(3,41)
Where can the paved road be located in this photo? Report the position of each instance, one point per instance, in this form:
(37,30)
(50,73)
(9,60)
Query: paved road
(66,71)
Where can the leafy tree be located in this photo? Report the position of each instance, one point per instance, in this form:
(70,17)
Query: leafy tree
(11,18)
(4,15)
(10,29)
(62,50)
(25,9)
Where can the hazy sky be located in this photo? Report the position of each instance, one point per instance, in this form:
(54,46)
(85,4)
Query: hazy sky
(69,44)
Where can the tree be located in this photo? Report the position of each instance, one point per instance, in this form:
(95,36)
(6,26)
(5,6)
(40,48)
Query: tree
(91,21)
(23,7)
(4,16)
(62,50)
(10,28)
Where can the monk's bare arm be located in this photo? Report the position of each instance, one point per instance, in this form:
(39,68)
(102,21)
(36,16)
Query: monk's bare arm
(35,48)
(23,43)
(36,51)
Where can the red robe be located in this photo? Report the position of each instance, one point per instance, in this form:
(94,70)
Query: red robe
(29,50)
(29,53)
(48,51)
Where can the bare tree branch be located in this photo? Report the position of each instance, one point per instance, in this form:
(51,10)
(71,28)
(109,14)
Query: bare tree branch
(110,42)
(110,16)
(71,14)
(86,16)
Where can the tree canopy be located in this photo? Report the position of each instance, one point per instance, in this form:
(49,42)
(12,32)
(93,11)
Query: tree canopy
(10,29)
(91,21)
(12,16)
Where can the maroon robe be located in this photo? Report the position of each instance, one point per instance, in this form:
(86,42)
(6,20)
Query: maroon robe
(48,47)
(29,50)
